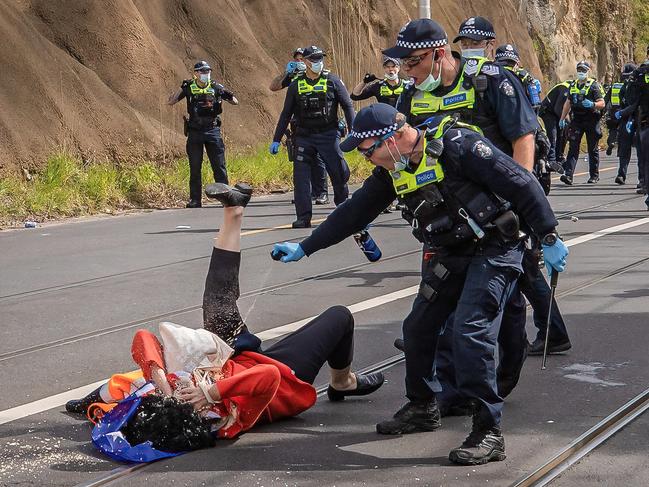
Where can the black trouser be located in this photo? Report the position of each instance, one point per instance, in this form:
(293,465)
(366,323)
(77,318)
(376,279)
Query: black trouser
(551,123)
(319,185)
(625,144)
(213,143)
(643,157)
(308,148)
(327,338)
(612,125)
(593,133)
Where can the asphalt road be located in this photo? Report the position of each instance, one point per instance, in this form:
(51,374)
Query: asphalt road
(72,295)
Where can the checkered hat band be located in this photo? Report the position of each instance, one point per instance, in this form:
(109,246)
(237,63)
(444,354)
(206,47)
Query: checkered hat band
(374,133)
(479,32)
(423,44)
(506,55)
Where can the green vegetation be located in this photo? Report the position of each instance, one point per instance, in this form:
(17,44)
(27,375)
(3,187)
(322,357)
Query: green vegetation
(66,187)
(640,13)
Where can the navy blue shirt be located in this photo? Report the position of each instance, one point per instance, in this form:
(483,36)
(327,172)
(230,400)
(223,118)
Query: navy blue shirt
(373,89)
(340,98)
(493,170)
(505,105)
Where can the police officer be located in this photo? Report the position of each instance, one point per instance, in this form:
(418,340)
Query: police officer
(203,128)
(585,103)
(550,112)
(611,105)
(637,114)
(385,90)
(313,98)
(507,56)
(294,69)
(447,178)
(485,95)
(625,138)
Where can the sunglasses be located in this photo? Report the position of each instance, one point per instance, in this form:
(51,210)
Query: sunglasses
(367,153)
(316,58)
(412,61)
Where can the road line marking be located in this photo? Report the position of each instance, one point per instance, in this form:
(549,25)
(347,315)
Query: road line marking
(279,227)
(22,411)
(584,173)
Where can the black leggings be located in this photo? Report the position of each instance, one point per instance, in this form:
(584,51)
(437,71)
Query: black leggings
(327,338)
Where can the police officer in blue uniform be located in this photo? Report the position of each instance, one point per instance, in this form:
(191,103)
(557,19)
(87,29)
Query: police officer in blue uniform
(615,104)
(612,105)
(314,98)
(386,89)
(507,56)
(550,112)
(585,103)
(203,128)
(485,95)
(294,69)
(447,178)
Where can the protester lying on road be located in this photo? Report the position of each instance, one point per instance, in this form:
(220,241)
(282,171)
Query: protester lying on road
(220,370)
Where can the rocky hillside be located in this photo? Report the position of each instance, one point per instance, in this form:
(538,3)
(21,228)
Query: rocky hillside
(93,76)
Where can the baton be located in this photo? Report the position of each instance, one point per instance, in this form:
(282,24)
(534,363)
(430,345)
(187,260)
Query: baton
(553,289)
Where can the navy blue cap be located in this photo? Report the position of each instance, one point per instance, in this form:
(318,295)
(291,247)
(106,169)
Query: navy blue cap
(583,64)
(417,34)
(476,28)
(394,60)
(312,51)
(372,121)
(298,51)
(507,51)
(202,66)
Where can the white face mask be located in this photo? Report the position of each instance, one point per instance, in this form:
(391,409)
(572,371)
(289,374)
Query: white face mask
(474,52)
(431,83)
(581,76)
(317,67)
(204,78)
(300,66)
(392,76)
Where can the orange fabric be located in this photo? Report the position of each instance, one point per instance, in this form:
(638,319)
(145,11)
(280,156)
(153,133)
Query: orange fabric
(121,385)
(146,350)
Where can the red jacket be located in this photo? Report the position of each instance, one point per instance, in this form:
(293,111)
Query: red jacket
(261,388)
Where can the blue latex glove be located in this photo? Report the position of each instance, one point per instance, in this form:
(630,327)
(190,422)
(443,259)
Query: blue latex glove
(618,114)
(586,103)
(274,148)
(291,67)
(629,126)
(293,251)
(554,256)
(562,124)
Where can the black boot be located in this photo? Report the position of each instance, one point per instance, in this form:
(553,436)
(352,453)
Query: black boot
(537,347)
(80,406)
(239,195)
(484,444)
(413,417)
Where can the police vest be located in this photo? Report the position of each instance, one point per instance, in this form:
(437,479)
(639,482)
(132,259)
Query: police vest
(313,105)
(615,94)
(389,94)
(444,212)
(578,94)
(203,105)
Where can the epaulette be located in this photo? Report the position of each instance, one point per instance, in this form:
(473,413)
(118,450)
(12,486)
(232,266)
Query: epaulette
(490,69)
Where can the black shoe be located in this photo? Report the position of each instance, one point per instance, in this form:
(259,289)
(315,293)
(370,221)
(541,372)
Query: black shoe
(239,195)
(365,384)
(638,186)
(536,348)
(619,180)
(593,180)
(80,406)
(566,179)
(413,417)
(301,224)
(323,199)
(480,447)
(640,191)
(193,204)
(398,344)
(609,150)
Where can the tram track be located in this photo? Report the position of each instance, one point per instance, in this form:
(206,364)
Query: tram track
(253,293)
(542,475)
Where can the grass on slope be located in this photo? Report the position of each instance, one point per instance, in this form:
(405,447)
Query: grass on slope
(66,187)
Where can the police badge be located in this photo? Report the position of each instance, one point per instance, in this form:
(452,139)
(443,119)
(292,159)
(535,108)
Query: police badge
(507,88)
(482,150)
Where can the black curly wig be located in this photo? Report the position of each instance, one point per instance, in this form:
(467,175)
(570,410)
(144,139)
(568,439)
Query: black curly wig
(169,424)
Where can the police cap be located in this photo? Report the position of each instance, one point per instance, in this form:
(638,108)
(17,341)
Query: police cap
(476,28)
(417,34)
(299,51)
(372,121)
(583,65)
(629,68)
(202,66)
(507,51)
(313,52)
(394,60)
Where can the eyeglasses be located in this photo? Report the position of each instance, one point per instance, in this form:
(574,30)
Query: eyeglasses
(315,58)
(412,61)
(367,153)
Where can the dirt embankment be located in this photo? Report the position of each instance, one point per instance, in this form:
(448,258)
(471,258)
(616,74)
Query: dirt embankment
(93,76)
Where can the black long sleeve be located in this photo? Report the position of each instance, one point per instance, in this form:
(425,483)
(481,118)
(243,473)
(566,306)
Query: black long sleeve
(287,112)
(354,214)
(344,100)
